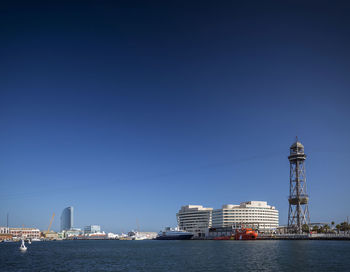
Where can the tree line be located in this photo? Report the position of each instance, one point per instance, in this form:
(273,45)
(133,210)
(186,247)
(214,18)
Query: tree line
(344,226)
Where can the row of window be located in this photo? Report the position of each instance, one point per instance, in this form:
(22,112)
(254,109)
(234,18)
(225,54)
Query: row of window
(242,216)
(245,212)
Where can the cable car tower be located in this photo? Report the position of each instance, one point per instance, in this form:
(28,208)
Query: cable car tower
(298,214)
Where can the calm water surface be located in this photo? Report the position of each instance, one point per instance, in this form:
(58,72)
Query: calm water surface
(177,256)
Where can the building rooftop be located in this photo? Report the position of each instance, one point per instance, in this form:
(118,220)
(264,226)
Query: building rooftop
(249,204)
(195,207)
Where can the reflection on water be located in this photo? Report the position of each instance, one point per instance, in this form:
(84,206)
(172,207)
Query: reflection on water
(177,256)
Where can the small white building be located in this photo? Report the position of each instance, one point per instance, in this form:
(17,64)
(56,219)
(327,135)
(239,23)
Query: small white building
(74,232)
(255,214)
(195,219)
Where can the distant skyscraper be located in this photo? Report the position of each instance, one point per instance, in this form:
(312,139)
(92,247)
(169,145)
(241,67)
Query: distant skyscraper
(67,219)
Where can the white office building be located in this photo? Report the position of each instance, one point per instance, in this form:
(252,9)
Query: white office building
(195,219)
(255,214)
(92,229)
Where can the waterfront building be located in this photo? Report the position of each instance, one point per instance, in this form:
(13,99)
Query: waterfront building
(72,233)
(61,235)
(5,234)
(195,219)
(4,230)
(92,229)
(31,233)
(50,235)
(256,214)
(67,219)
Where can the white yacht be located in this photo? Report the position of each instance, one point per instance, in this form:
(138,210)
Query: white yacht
(135,235)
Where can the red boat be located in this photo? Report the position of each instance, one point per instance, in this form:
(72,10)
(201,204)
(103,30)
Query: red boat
(240,234)
(245,234)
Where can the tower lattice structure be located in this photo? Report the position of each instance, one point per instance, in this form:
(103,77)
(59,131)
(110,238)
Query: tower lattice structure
(298,214)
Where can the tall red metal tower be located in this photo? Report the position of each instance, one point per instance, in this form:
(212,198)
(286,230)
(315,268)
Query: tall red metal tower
(298,214)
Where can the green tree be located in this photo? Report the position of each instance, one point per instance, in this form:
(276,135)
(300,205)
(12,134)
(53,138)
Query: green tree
(344,226)
(332,229)
(321,229)
(338,228)
(326,228)
(305,228)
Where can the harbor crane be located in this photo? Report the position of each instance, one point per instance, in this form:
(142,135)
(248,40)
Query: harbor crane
(46,233)
(53,216)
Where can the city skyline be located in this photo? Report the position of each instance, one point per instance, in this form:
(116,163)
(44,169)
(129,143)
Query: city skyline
(129,111)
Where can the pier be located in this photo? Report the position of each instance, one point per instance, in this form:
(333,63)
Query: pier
(318,236)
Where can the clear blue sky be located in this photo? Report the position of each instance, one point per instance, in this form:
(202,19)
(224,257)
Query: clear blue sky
(129,110)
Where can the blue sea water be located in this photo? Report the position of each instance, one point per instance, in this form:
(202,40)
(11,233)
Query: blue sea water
(151,255)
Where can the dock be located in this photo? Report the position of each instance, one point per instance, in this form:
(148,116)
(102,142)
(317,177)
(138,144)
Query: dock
(304,237)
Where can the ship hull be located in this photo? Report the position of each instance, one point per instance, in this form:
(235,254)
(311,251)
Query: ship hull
(177,237)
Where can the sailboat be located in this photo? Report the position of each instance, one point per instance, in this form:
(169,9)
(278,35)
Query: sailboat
(23,247)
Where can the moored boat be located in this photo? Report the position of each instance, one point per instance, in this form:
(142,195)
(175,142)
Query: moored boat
(245,234)
(240,234)
(174,234)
